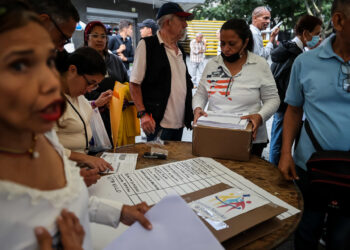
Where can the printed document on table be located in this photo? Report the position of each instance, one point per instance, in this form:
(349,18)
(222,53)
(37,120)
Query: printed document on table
(153,183)
(175,226)
(223,120)
(121,162)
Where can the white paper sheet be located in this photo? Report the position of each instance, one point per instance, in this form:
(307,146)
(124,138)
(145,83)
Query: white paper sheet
(121,162)
(182,177)
(223,120)
(175,226)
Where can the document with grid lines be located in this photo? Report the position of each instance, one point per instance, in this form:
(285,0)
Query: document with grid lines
(153,183)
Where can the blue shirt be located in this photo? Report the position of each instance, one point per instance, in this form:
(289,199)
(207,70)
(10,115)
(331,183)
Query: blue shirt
(316,85)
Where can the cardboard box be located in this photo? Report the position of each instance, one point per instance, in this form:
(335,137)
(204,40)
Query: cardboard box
(246,227)
(222,143)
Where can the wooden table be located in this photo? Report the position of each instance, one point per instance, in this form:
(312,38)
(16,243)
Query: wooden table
(257,170)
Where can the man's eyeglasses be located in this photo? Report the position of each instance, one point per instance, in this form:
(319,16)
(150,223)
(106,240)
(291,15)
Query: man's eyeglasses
(91,85)
(95,36)
(65,38)
(345,69)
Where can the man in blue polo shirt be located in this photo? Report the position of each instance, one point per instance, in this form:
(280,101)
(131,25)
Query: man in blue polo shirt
(319,87)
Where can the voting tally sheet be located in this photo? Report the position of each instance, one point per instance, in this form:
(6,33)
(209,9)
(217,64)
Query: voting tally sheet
(182,177)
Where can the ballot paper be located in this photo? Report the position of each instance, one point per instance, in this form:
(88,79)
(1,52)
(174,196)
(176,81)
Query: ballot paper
(224,205)
(223,120)
(153,183)
(175,226)
(121,162)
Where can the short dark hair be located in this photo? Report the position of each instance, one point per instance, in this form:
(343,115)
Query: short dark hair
(124,24)
(308,23)
(242,29)
(60,10)
(15,14)
(87,60)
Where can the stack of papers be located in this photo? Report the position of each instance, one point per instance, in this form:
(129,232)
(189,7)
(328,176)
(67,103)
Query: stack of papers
(175,226)
(223,120)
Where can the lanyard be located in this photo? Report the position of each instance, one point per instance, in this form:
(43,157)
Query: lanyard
(82,120)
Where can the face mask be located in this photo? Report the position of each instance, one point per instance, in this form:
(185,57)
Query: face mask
(231,58)
(314,41)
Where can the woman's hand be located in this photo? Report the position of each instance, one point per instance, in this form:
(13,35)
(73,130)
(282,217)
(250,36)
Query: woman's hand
(130,214)
(287,167)
(256,120)
(72,233)
(96,162)
(90,176)
(104,98)
(198,112)
(148,124)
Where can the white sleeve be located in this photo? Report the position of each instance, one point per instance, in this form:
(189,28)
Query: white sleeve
(139,65)
(200,98)
(268,93)
(259,48)
(103,211)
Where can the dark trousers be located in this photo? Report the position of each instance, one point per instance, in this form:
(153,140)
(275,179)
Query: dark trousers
(313,221)
(166,134)
(258,148)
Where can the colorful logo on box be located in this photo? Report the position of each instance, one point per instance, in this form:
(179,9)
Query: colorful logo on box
(232,201)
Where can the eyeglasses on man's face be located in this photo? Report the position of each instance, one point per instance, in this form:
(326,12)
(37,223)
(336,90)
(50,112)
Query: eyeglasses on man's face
(65,39)
(91,85)
(96,36)
(345,69)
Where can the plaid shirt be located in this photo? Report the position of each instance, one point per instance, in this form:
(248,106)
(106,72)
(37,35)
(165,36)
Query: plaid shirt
(195,55)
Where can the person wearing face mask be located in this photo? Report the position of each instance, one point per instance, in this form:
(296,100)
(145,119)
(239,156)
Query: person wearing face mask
(307,32)
(238,81)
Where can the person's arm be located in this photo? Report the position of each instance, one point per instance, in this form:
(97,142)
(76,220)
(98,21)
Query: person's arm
(292,121)
(200,98)
(109,212)
(291,126)
(147,122)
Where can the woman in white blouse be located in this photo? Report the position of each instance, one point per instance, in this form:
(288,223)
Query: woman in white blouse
(238,81)
(81,71)
(37,181)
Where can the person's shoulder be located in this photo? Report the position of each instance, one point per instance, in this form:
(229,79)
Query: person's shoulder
(113,58)
(254,58)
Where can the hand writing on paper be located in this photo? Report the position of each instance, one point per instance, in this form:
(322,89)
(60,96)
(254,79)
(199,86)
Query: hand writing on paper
(104,98)
(72,233)
(90,176)
(198,112)
(287,167)
(148,124)
(130,214)
(97,162)
(256,120)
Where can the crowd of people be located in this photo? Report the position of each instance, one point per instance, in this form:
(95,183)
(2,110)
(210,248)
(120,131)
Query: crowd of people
(48,96)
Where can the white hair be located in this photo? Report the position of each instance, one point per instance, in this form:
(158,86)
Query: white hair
(163,19)
(199,34)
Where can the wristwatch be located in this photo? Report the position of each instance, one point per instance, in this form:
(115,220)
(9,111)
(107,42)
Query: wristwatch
(141,113)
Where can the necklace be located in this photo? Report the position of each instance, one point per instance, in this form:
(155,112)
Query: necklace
(31,151)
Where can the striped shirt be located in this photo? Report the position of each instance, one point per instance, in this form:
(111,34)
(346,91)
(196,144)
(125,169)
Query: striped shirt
(197,51)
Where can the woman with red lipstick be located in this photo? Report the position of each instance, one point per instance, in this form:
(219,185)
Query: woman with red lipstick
(37,181)
(81,72)
(95,36)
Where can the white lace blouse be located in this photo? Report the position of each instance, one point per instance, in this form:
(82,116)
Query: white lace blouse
(23,208)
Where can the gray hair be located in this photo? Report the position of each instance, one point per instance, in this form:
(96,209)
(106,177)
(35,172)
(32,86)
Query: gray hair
(163,19)
(259,10)
(199,34)
(60,10)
